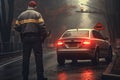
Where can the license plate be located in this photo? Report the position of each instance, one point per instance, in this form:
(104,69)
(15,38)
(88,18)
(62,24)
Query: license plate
(73,45)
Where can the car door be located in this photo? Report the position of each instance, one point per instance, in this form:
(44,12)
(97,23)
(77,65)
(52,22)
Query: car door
(101,43)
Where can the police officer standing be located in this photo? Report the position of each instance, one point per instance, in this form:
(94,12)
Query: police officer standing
(32,29)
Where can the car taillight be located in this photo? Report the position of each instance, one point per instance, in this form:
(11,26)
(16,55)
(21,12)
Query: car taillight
(86,42)
(60,43)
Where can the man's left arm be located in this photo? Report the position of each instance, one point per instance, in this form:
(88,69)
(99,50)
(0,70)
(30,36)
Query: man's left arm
(17,26)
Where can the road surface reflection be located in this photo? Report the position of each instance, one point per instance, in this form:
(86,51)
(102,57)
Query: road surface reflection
(84,75)
(62,76)
(87,75)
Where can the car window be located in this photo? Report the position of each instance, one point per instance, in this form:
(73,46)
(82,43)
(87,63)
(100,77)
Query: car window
(79,33)
(97,34)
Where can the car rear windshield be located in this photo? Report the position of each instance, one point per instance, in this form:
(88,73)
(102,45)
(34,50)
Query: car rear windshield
(77,33)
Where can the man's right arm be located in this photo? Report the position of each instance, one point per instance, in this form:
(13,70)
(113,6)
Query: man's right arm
(42,28)
(44,32)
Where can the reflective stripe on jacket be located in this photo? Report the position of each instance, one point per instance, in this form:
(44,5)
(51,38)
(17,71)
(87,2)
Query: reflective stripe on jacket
(29,21)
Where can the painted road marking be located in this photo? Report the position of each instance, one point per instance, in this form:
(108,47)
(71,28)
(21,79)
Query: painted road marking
(20,58)
(11,61)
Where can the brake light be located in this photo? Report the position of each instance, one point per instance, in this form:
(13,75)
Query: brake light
(86,42)
(59,43)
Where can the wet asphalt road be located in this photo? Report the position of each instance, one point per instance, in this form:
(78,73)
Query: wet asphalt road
(84,70)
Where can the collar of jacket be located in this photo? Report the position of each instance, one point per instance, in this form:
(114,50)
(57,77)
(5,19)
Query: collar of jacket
(31,8)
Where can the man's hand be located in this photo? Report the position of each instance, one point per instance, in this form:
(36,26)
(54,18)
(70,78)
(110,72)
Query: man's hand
(49,33)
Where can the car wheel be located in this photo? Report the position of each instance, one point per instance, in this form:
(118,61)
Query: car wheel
(95,60)
(109,57)
(60,60)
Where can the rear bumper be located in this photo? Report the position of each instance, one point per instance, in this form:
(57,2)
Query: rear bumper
(76,53)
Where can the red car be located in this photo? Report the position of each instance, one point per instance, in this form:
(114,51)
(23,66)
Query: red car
(77,44)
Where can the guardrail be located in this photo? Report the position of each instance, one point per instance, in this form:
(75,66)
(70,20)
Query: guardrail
(9,48)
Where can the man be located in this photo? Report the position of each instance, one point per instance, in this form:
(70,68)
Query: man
(30,25)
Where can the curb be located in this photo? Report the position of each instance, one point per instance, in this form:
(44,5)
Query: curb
(106,75)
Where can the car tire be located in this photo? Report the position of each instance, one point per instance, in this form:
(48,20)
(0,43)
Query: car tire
(60,60)
(95,60)
(109,57)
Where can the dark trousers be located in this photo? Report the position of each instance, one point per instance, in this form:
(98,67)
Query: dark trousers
(37,48)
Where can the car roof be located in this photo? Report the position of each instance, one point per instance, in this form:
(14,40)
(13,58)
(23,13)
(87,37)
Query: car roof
(80,29)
